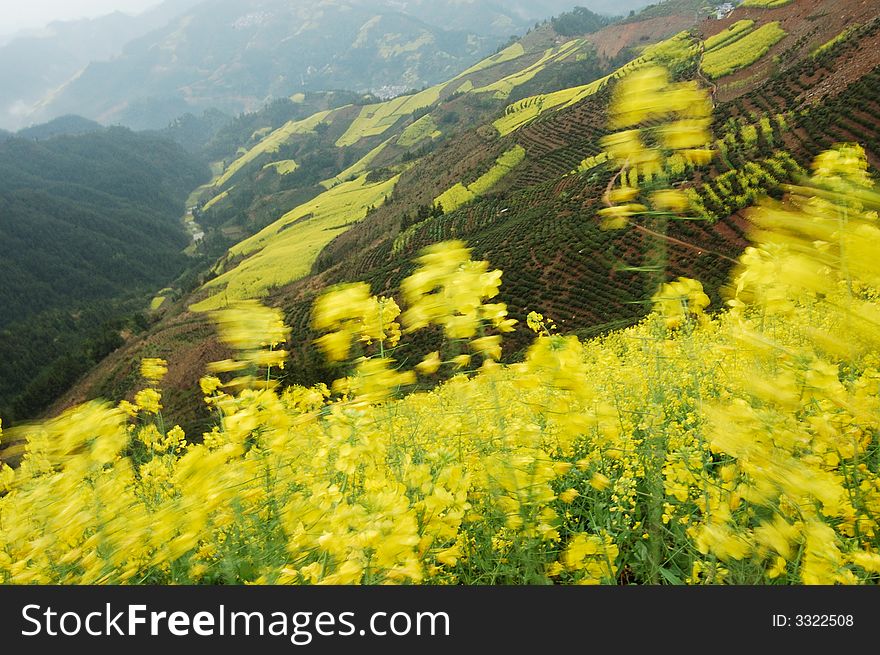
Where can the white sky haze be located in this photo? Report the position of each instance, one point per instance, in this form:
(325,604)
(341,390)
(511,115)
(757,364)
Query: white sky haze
(18,15)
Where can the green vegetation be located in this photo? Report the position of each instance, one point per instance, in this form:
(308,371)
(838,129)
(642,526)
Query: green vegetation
(733,33)
(284,167)
(540,209)
(742,52)
(271,144)
(579,21)
(220,197)
(460,194)
(502,88)
(376,119)
(511,52)
(738,188)
(195,133)
(357,168)
(831,43)
(90,225)
(245,130)
(591,162)
(767,4)
(284,251)
(63,126)
(423,128)
(524,111)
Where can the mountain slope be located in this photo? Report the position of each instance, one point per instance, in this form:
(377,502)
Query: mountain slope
(422,145)
(87,221)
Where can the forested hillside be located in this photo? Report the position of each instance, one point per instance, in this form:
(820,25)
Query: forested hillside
(87,221)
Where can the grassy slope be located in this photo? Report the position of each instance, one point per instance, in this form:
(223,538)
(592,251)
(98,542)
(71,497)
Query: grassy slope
(271,144)
(422,129)
(458,195)
(285,251)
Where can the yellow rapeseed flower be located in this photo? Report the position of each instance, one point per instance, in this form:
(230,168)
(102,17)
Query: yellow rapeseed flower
(148,400)
(153,369)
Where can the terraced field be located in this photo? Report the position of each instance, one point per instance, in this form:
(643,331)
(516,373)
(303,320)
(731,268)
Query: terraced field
(286,250)
(376,119)
(284,167)
(743,51)
(733,33)
(502,88)
(423,128)
(271,144)
(356,169)
(220,197)
(460,194)
(766,4)
(521,113)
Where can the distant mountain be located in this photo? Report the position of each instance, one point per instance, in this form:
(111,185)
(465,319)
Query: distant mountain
(34,64)
(70,125)
(235,56)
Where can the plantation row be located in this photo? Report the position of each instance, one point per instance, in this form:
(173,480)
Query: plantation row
(743,51)
(741,138)
(790,90)
(741,187)
(559,258)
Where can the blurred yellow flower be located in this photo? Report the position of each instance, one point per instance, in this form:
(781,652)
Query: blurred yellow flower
(153,369)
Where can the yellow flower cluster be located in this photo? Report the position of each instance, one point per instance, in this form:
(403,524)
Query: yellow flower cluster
(677,302)
(154,369)
(593,557)
(353,314)
(666,129)
(254,332)
(449,289)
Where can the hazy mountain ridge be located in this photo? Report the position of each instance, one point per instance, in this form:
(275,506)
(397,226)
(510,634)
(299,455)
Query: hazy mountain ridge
(35,63)
(235,56)
(70,125)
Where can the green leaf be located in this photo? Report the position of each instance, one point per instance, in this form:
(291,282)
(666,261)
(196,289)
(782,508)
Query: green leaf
(670,577)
